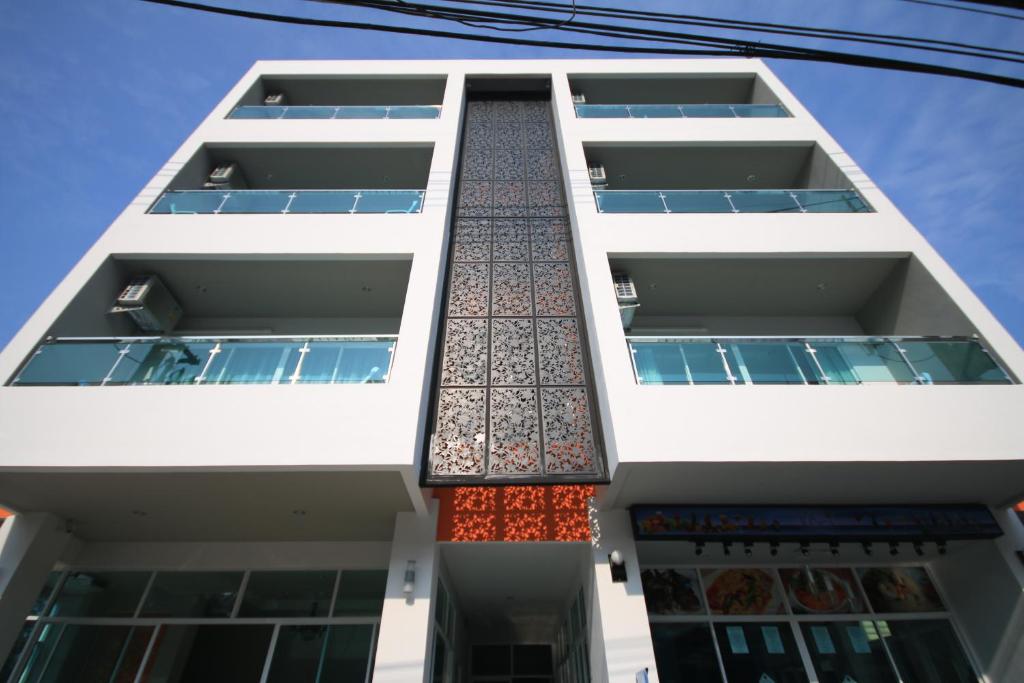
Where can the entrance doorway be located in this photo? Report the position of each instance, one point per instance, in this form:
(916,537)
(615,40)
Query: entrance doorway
(512,613)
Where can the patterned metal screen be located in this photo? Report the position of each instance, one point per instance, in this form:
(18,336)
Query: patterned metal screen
(513,401)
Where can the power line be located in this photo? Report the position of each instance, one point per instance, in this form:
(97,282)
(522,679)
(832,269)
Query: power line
(967,9)
(627,32)
(735,24)
(740,49)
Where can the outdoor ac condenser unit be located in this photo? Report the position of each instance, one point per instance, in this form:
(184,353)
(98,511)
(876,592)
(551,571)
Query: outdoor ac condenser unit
(275,99)
(150,304)
(226,176)
(625,296)
(598,178)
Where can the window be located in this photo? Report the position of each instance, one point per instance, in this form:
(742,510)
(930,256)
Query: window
(795,624)
(107,627)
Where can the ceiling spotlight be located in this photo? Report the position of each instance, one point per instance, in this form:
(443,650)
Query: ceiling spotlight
(726,548)
(919,548)
(773,548)
(752,178)
(748,549)
(805,548)
(867,548)
(894,549)
(699,548)
(834,548)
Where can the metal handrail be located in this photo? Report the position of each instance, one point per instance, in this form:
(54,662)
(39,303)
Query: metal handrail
(628,107)
(738,189)
(337,108)
(814,337)
(303,189)
(272,337)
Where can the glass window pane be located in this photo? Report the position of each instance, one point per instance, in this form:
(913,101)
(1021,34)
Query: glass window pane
(847,651)
(19,646)
(323,201)
(492,660)
(288,594)
(209,653)
(752,651)
(335,362)
(349,653)
(70,363)
(764,201)
(531,660)
(52,579)
(685,653)
(192,594)
(100,594)
(439,660)
(710,201)
(189,201)
(245,362)
(774,363)
(900,589)
(298,653)
(167,361)
(834,363)
(86,654)
(361,593)
(941,362)
(926,651)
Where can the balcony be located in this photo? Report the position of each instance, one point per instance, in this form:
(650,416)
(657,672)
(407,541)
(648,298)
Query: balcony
(227,321)
(724,178)
(697,96)
(812,360)
(209,360)
(276,179)
(382,98)
(289,201)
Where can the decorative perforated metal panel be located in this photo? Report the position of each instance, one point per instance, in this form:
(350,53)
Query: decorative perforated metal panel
(513,401)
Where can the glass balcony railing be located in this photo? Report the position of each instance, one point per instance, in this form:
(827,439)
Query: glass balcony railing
(812,360)
(289,201)
(681,111)
(730,201)
(209,360)
(326,112)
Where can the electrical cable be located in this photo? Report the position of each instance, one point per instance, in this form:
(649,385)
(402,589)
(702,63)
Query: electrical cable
(454,15)
(966,9)
(735,24)
(740,49)
(572,16)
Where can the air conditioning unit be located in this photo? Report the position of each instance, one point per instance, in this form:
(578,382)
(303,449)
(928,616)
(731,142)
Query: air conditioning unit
(625,296)
(275,99)
(579,99)
(598,178)
(150,304)
(226,176)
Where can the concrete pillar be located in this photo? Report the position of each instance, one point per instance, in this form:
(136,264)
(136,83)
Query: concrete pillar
(402,645)
(30,545)
(621,608)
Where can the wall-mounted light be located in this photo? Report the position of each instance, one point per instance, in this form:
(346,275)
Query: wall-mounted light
(894,549)
(867,547)
(773,548)
(941,547)
(699,548)
(834,548)
(727,548)
(410,578)
(919,548)
(618,567)
(748,549)
(805,548)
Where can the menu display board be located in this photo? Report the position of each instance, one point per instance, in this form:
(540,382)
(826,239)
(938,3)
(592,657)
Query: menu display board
(672,591)
(742,590)
(825,590)
(900,589)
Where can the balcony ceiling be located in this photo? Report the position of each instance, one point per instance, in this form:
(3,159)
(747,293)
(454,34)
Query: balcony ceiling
(369,90)
(749,287)
(645,89)
(702,167)
(282,289)
(214,506)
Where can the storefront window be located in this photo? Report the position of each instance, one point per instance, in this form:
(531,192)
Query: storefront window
(847,651)
(108,627)
(795,624)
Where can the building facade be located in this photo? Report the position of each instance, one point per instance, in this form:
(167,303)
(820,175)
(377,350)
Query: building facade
(469,371)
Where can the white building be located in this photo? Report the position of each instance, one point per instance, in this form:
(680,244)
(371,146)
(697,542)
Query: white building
(371,298)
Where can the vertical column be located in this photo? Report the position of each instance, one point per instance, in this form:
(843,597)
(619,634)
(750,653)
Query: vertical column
(404,637)
(620,606)
(30,544)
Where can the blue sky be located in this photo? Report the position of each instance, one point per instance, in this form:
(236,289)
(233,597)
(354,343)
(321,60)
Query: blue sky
(97,95)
